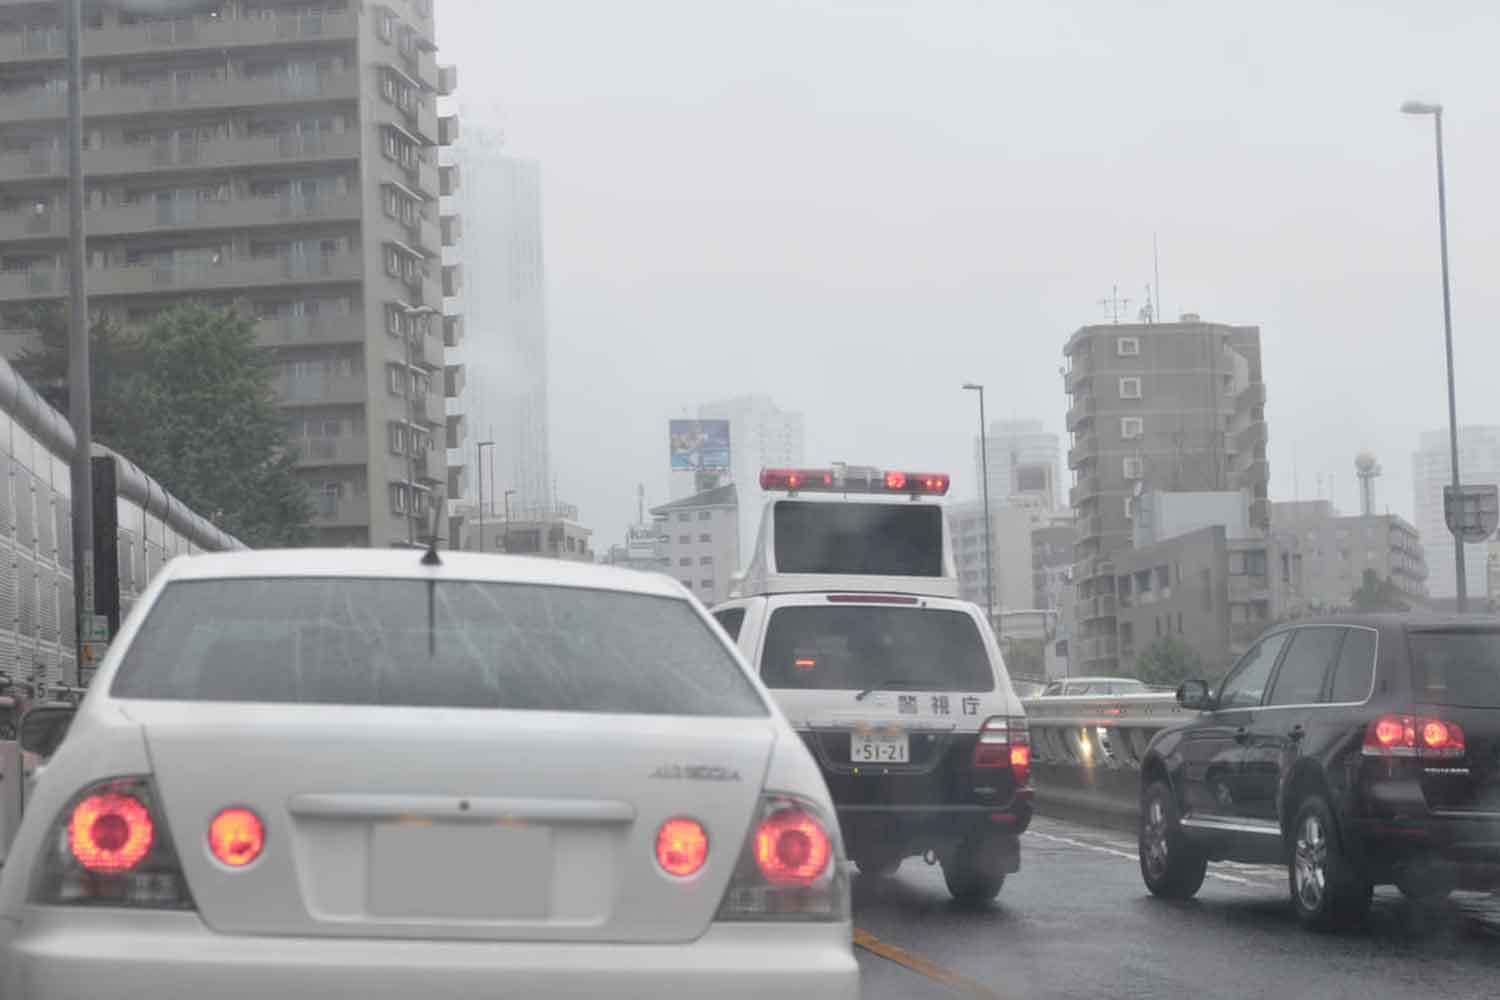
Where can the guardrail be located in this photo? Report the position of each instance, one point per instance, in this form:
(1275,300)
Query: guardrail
(1086,752)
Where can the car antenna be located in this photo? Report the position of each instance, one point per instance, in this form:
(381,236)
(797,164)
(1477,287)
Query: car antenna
(432,558)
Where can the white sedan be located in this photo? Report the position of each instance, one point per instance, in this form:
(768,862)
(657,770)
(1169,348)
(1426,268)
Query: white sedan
(362,774)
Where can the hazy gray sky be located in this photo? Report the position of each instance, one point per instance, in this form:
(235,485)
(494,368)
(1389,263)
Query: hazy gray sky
(856,207)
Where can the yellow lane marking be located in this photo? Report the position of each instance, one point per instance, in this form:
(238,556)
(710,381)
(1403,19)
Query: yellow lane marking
(921,966)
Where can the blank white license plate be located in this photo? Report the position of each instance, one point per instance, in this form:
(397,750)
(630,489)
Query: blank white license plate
(480,871)
(879,748)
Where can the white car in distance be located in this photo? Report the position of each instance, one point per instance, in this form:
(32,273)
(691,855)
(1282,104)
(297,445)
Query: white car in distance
(378,774)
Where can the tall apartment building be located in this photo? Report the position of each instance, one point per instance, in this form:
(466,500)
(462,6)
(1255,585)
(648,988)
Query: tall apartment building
(1166,406)
(761,435)
(1010,549)
(1338,550)
(1432,469)
(1023,463)
(505,350)
(277,156)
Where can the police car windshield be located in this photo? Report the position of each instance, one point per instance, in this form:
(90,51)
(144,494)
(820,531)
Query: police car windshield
(842,538)
(857,647)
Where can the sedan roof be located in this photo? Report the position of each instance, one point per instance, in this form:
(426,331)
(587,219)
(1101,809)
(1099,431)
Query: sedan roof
(407,564)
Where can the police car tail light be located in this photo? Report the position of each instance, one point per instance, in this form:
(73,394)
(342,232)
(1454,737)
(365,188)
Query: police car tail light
(790,868)
(109,847)
(1005,741)
(856,481)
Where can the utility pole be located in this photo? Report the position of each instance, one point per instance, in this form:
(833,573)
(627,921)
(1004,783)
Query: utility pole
(80,398)
(984,473)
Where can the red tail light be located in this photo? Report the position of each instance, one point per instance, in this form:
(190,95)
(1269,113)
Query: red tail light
(1004,742)
(789,867)
(109,847)
(1413,736)
(110,832)
(681,847)
(236,837)
(792,848)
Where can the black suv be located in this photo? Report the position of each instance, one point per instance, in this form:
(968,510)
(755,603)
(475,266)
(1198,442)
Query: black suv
(1357,750)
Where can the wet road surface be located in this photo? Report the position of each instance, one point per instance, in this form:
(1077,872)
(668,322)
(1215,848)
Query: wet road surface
(1077,922)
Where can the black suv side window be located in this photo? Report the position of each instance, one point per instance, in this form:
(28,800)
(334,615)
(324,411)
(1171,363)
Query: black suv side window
(1245,686)
(1306,665)
(1353,676)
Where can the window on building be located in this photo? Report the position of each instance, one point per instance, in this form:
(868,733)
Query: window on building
(1127,347)
(1131,466)
(684,516)
(685,561)
(385,25)
(1163,578)
(705,538)
(1132,427)
(1130,388)
(1129,508)
(705,560)
(397,437)
(706,584)
(395,380)
(686,583)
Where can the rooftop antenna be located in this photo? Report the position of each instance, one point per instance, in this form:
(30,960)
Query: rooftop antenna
(1156,273)
(1147,314)
(1114,304)
(1368,471)
(640,503)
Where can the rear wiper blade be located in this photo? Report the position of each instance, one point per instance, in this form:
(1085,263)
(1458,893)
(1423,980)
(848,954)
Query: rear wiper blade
(894,682)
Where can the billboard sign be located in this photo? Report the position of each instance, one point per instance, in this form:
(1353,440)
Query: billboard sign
(699,445)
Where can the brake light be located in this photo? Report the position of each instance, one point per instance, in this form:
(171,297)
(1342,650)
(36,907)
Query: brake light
(681,847)
(236,837)
(1004,742)
(110,832)
(792,848)
(795,479)
(1413,736)
(789,866)
(109,847)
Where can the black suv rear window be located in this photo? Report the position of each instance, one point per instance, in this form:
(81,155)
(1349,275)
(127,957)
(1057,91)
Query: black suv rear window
(451,644)
(853,647)
(1459,668)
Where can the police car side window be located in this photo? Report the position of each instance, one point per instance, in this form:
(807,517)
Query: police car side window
(731,619)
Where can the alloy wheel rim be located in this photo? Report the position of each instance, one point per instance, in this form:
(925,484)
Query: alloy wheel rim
(1310,863)
(1155,840)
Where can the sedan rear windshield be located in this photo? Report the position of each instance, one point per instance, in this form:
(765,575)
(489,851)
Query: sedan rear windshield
(853,647)
(1459,669)
(451,644)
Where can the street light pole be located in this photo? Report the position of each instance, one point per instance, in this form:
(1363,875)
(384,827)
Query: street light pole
(508,495)
(80,392)
(984,472)
(479,474)
(1436,111)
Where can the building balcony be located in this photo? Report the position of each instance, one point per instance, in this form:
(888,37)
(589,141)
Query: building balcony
(454,378)
(1080,412)
(180,34)
(426,351)
(320,390)
(48,104)
(322,452)
(430,466)
(1100,607)
(51,163)
(1253,435)
(433,410)
(1243,589)
(194,276)
(453,329)
(447,80)
(1253,397)
(340,512)
(1090,527)
(181,216)
(309,331)
(1087,488)
(457,433)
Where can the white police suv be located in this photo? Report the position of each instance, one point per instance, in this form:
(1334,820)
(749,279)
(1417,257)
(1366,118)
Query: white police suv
(849,609)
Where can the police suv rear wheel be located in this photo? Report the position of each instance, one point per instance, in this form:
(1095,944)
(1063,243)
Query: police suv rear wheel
(973,872)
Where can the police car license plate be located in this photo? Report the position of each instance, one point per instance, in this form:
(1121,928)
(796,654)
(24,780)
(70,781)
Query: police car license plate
(879,748)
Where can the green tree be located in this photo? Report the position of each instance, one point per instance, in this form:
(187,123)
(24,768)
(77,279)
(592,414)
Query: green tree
(114,354)
(189,400)
(1168,662)
(1375,594)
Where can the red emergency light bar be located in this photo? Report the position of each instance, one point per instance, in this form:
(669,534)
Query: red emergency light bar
(824,481)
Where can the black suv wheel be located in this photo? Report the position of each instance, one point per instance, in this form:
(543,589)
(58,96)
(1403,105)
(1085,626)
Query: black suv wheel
(1328,890)
(972,872)
(1170,866)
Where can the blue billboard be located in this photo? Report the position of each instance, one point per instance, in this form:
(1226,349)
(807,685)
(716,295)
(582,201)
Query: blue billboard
(699,445)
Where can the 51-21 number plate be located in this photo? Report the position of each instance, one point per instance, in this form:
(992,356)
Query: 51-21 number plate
(879,748)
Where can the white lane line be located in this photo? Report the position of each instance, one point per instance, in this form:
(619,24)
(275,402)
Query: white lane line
(1131,856)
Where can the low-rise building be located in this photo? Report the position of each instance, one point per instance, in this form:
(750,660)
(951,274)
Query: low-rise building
(1339,550)
(699,541)
(552,531)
